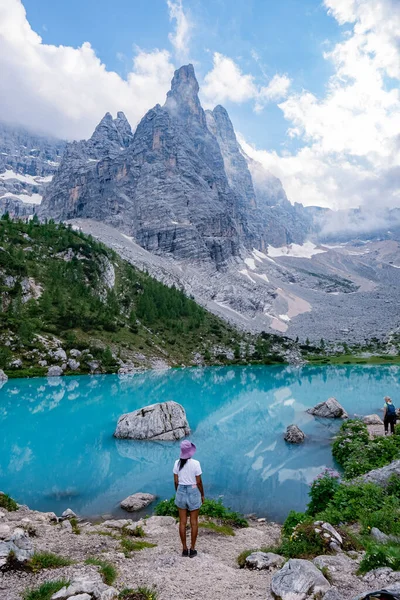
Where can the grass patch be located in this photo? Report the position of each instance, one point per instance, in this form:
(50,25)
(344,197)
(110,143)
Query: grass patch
(47,560)
(44,591)
(107,570)
(326,573)
(104,533)
(222,529)
(140,593)
(241,559)
(211,508)
(8,503)
(137,532)
(128,545)
(75,526)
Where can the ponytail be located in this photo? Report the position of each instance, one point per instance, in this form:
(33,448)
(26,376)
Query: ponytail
(182,462)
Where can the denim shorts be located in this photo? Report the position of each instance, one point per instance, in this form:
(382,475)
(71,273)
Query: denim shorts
(188,497)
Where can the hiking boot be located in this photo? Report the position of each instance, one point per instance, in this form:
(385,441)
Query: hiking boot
(192,553)
(185,552)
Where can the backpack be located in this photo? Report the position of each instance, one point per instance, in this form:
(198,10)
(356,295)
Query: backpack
(391,410)
(382,595)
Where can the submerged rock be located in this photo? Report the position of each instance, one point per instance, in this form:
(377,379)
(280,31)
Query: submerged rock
(165,421)
(137,501)
(264,560)
(297,580)
(330,409)
(294,435)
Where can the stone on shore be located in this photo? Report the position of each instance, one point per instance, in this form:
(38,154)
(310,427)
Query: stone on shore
(68,514)
(372,420)
(54,371)
(19,544)
(3,376)
(380,476)
(264,560)
(294,435)
(330,409)
(89,586)
(164,421)
(137,501)
(298,580)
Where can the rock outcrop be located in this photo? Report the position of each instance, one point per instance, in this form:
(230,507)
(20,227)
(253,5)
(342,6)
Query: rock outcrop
(294,435)
(137,501)
(164,421)
(298,580)
(330,409)
(264,560)
(372,420)
(3,376)
(86,588)
(381,476)
(19,545)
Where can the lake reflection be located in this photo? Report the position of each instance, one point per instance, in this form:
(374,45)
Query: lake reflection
(57,449)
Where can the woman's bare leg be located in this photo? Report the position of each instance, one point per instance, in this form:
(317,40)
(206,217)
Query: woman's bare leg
(194,527)
(182,526)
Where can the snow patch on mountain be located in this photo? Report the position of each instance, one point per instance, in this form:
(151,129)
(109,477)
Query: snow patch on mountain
(306,250)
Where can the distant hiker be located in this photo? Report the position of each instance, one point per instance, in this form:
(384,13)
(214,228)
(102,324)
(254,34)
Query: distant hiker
(389,415)
(189,494)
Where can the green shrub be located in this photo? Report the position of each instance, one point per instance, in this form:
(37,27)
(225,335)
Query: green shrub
(140,593)
(304,542)
(75,526)
(137,532)
(387,518)
(44,591)
(210,508)
(350,502)
(393,486)
(8,503)
(322,490)
(381,555)
(107,570)
(352,433)
(47,560)
(293,519)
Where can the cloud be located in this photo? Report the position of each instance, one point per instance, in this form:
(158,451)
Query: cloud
(65,91)
(350,138)
(226,82)
(181,37)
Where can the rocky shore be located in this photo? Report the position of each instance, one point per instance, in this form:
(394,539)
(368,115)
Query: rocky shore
(154,562)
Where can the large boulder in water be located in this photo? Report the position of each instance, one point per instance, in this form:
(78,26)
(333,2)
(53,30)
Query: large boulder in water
(294,435)
(137,501)
(164,421)
(330,409)
(298,580)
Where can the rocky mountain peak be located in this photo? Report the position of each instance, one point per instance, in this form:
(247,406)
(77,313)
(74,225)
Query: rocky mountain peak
(105,131)
(183,97)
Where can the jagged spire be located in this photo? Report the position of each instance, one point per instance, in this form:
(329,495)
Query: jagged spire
(183,98)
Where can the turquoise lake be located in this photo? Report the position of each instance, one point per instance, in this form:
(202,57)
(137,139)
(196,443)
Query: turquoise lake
(57,448)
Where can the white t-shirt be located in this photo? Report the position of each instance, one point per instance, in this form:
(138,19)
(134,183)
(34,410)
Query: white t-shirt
(187,475)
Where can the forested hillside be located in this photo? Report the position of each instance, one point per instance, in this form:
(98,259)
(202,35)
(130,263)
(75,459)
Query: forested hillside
(68,300)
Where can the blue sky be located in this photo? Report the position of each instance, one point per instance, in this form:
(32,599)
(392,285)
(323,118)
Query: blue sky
(312,86)
(288,36)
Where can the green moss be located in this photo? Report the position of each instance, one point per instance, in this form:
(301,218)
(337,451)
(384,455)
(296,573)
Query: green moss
(108,571)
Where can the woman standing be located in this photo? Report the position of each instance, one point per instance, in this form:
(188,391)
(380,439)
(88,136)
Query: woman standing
(389,415)
(189,494)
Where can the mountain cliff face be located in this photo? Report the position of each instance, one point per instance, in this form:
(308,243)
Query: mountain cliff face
(179,186)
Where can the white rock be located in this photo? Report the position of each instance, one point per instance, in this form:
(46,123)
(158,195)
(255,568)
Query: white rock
(60,354)
(90,585)
(264,560)
(163,421)
(42,363)
(68,514)
(117,523)
(73,364)
(66,525)
(75,353)
(137,501)
(54,371)
(3,376)
(372,420)
(333,532)
(155,526)
(298,580)
(331,409)
(17,363)
(5,531)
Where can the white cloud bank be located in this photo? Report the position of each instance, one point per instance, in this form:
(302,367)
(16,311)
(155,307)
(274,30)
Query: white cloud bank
(227,82)
(350,152)
(65,91)
(180,39)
